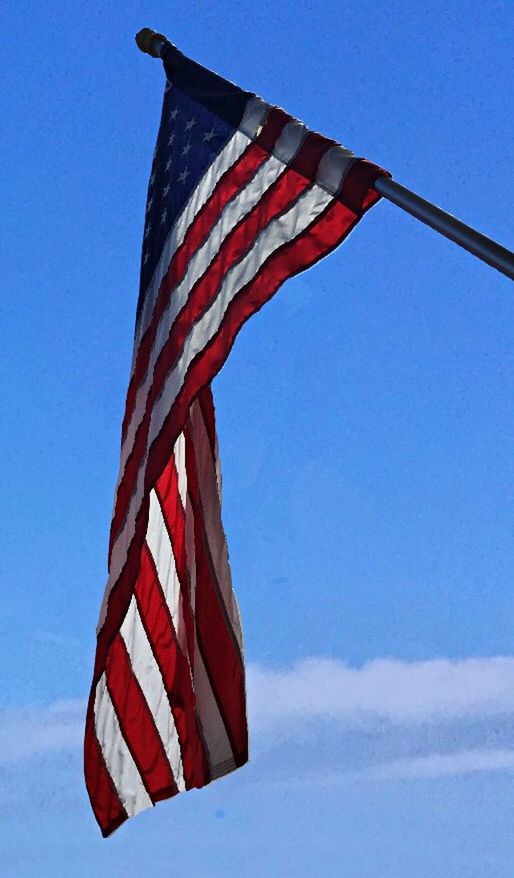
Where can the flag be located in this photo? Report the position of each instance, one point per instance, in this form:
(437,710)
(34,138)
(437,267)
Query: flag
(241,197)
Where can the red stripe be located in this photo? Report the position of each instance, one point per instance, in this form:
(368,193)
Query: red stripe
(357,191)
(105,802)
(319,239)
(121,592)
(271,130)
(276,199)
(222,659)
(322,236)
(174,513)
(137,724)
(234,179)
(175,671)
(206,401)
(174,516)
(308,158)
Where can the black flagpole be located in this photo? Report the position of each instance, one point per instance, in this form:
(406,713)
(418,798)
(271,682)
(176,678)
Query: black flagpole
(452,228)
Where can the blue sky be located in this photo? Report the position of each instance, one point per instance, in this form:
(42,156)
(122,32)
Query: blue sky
(365,419)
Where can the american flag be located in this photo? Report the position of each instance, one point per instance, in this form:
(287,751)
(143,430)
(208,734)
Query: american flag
(241,197)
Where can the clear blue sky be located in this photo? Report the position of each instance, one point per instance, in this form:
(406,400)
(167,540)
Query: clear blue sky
(365,418)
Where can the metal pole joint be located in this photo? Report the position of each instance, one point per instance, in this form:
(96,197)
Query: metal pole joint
(150,42)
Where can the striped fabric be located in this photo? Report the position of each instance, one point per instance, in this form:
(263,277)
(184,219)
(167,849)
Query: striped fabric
(241,197)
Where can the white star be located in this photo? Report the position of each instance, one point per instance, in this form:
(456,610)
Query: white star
(145,260)
(172,138)
(210,134)
(183,176)
(174,113)
(191,123)
(167,86)
(168,165)
(166,190)
(186,148)
(149,205)
(148,230)
(152,178)
(163,217)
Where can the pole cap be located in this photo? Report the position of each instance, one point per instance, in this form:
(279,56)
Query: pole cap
(146,40)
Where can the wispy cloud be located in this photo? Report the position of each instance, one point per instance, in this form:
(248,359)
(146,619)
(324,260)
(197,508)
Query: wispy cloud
(400,692)
(444,765)
(434,765)
(33,731)
(386,719)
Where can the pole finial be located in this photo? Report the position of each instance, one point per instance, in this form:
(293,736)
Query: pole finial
(148,39)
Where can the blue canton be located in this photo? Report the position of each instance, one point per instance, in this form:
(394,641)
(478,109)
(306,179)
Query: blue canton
(190,138)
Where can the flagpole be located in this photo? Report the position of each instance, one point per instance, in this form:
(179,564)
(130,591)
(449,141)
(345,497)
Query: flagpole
(474,242)
(484,248)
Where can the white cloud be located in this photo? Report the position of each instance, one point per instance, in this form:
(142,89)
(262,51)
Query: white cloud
(434,765)
(400,692)
(386,719)
(444,765)
(33,731)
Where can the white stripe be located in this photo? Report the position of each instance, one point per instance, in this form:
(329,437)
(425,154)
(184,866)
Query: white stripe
(333,167)
(219,477)
(236,209)
(127,532)
(283,229)
(291,137)
(158,542)
(199,196)
(148,675)
(214,733)
(117,756)
(255,112)
(191,552)
(180,464)
(123,542)
(211,507)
